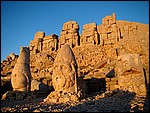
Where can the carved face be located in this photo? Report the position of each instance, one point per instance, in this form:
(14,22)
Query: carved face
(63,76)
(19,81)
(127,63)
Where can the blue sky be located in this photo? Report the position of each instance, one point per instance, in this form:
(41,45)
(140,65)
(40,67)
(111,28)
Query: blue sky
(20,20)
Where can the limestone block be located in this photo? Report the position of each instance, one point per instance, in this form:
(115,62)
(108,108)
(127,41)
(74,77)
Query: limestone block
(109,36)
(107,79)
(104,36)
(100,64)
(72,31)
(76,26)
(126,28)
(54,100)
(128,62)
(74,98)
(70,25)
(121,80)
(117,86)
(64,99)
(130,73)
(12,55)
(109,29)
(38,86)
(92,26)
(89,26)
(65,27)
(112,87)
(142,89)
(88,33)
(100,29)
(113,18)
(114,79)
(47,38)
(109,20)
(85,26)
(111,83)
(38,35)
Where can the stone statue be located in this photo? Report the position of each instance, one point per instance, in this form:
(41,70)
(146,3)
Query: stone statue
(69,34)
(64,76)
(130,74)
(21,76)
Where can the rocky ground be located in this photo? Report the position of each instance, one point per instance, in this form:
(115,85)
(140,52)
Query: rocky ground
(116,101)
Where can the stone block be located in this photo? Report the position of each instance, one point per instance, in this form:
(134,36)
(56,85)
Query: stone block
(92,25)
(76,26)
(107,79)
(112,87)
(129,62)
(74,98)
(113,18)
(12,55)
(54,100)
(111,83)
(121,80)
(39,34)
(114,79)
(64,99)
(100,64)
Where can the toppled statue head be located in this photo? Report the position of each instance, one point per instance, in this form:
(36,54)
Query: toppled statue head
(21,76)
(64,76)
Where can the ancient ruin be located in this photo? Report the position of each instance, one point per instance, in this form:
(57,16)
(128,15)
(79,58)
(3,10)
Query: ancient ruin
(36,44)
(69,34)
(89,34)
(109,31)
(112,56)
(50,43)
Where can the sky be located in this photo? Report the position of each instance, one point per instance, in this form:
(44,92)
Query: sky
(20,20)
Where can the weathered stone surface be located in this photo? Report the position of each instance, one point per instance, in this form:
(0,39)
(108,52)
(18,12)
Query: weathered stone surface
(69,34)
(12,55)
(64,76)
(108,30)
(129,62)
(130,74)
(21,76)
(38,86)
(36,44)
(96,58)
(89,34)
(50,43)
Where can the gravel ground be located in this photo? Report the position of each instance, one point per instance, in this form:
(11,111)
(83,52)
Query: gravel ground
(117,101)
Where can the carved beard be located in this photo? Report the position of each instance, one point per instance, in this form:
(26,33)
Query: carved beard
(63,78)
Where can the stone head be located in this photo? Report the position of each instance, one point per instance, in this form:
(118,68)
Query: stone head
(65,69)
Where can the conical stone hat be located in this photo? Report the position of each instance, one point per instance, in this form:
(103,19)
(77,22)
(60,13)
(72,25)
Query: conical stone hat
(65,55)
